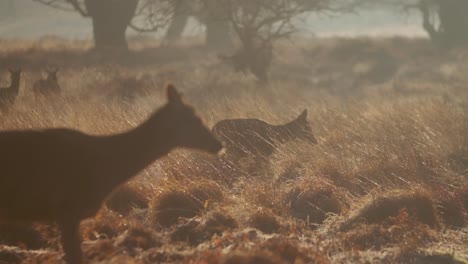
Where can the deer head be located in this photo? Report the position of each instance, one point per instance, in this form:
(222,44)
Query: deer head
(189,132)
(15,73)
(301,128)
(52,74)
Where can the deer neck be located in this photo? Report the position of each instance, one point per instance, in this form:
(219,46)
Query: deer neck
(283,133)
(51,79)
(130,152)
(15,82)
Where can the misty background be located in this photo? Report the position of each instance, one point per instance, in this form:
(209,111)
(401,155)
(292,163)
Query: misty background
(34,20)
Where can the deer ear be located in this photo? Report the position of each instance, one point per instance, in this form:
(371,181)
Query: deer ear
(303,116)
(173,96)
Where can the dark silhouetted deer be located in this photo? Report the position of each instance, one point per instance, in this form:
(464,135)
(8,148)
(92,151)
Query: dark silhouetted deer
(258,139)
(63,175)
(48,86)
(8,94)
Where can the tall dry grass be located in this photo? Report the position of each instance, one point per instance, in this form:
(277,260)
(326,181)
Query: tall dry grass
(402,135)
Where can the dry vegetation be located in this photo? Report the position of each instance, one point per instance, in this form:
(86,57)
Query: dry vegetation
(386,183)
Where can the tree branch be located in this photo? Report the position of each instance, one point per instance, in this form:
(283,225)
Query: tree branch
(65,5)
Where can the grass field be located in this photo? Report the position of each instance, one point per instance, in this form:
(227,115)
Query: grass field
(386,183)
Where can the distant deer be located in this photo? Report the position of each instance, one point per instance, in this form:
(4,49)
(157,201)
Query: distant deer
(253,58)
(8,94)
(63,175)
(258,139)
(48,86)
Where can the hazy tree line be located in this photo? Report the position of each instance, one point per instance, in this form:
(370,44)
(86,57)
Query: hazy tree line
(226,20)
(251,26)
(445,21)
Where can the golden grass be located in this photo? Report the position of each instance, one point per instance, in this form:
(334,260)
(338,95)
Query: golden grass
(406,132)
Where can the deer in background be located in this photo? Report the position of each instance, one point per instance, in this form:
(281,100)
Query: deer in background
(8,94)
(48,86)
(258,139)
(63,175)
(254,58)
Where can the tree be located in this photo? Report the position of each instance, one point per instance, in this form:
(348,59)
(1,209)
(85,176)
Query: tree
(446,21)
(258,24)
(218,31)
(219,16)
(110,18)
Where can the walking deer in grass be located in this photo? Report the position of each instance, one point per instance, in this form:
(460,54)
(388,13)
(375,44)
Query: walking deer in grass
(258,139)
(48,86)
(63,175)
(8,94)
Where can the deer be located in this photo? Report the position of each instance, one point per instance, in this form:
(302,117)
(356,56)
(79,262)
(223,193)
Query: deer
(63,175)
(255,56)
(8,94)
(48,86)
(258,139)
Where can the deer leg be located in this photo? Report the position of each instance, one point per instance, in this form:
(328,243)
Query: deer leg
(71,241)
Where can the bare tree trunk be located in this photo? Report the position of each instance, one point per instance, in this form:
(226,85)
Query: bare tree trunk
(453,21)
(110,21)
(218,33)
(182,12)
(218,28)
